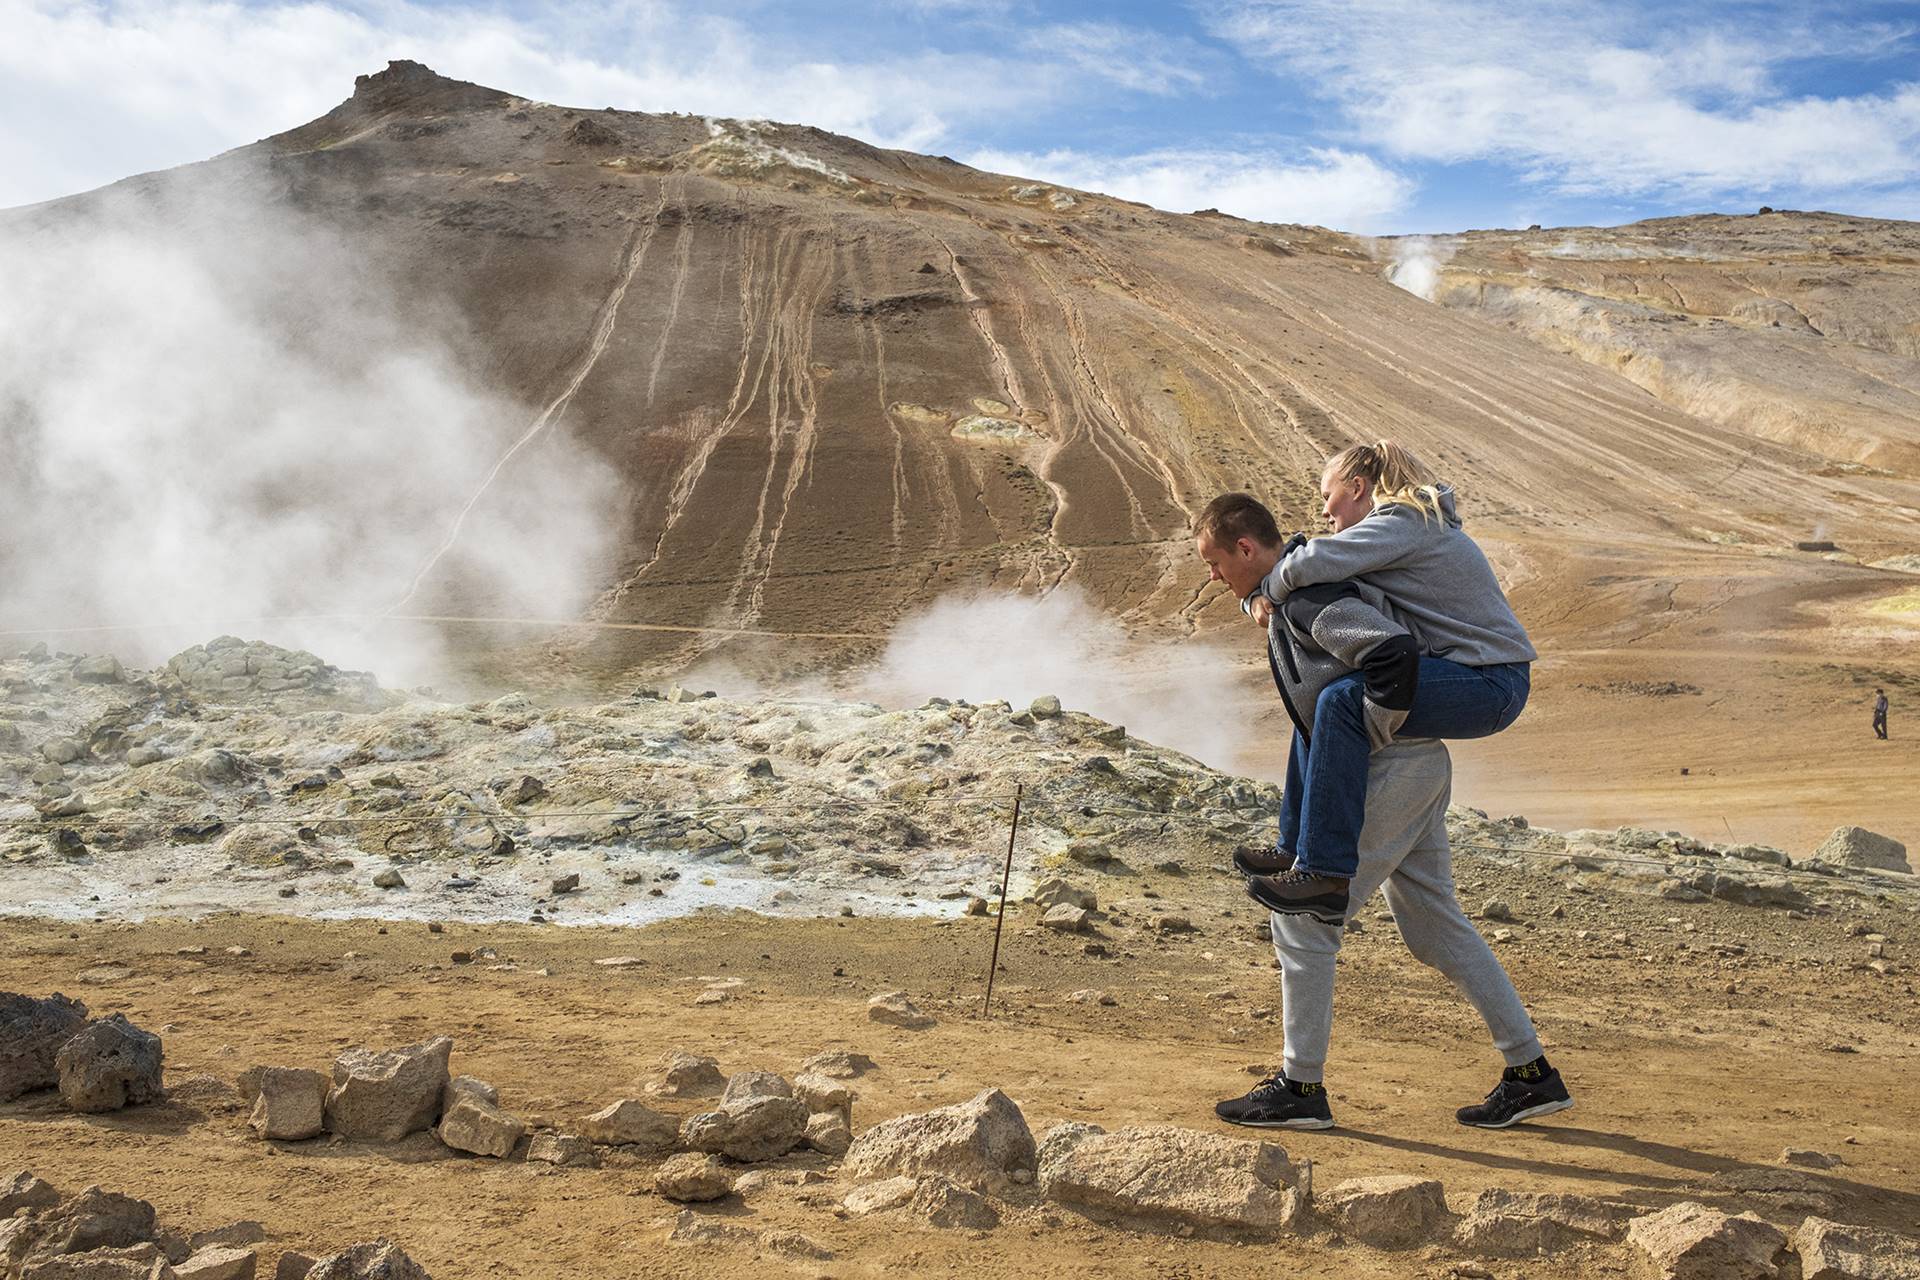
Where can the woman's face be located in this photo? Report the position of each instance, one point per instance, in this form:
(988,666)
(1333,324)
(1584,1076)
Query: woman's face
(1346,501)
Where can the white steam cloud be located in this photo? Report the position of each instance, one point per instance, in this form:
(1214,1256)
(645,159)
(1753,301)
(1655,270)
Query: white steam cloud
(1416,264)
(215,409)
(986,646)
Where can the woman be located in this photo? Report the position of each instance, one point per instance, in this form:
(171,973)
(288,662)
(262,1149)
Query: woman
(1395,530)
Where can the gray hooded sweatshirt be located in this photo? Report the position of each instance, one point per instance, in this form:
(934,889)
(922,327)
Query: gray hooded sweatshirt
(1436,581)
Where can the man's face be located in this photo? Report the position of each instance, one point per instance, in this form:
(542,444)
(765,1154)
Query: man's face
(1240,564)
(1345,502)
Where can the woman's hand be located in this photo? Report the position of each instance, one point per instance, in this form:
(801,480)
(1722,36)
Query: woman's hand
(1261,610)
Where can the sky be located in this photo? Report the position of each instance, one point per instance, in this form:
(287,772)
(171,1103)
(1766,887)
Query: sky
(1375,116)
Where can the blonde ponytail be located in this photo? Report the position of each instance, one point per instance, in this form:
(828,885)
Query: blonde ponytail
(1396,475)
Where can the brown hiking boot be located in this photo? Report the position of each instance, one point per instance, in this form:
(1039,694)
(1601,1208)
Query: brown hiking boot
(1258,860)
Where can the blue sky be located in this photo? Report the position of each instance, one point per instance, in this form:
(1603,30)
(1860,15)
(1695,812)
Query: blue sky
(1366,115)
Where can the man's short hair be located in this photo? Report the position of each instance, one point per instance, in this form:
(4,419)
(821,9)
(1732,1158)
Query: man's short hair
(1233,516)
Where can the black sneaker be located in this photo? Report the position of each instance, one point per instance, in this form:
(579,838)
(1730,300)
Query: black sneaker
(1279,1103)
(1261,860)
(1518,1098)
(1302,893)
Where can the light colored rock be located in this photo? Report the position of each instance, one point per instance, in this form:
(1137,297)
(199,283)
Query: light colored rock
(93,1219)
(459,1085)
(294,1265)
(31,1033)
(218,1262)
(143,1261)
(389,879)
(823,1093)
(289,1103)
(750,1130)
(693,1177)
(476,1126)
(24,1191)
(829,1133)
(1802,1158)
(1833,1251)
(110,1065)
(569,1150)
(792,1244)
(1690,1241)
(101,668)
(894,1009)
(1859,847)
(688,1075)
(1045,707)
(742,1085)
(1066,918)
(1053,891)
(386,1096)
(630,1123)
(232,1234)
(978,1143)
(381,1260)
(1386,1212)
(945,1203)
(837,1064)
(1521,1224)
(1171,1177)
(693,1228)
(874,1197)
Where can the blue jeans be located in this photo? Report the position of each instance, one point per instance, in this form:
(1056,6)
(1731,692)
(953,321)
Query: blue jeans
(1324,803)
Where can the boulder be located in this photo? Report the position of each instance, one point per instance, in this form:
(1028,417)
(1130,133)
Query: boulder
(1387,1212)
(1173,1178)
(829,1133)
(823,1093)
(688,1075)
(1832,1251)
(477,1126)
(742,1085)
(24,1191)
(1690,1241)
(31,1032)
(979,1143)
(1859,847)
(945,1203)
(568,1150)
(381,1260)
(109,1065)
(1522,1224)
(750,1130)
(289,1104)
(143,1261)
(629,1123)
(693,1178)
(386,1096)
(101,668)
(895,1010)
(218,1262)
(93,1219)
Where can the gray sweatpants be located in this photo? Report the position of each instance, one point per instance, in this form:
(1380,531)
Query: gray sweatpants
(1403,850)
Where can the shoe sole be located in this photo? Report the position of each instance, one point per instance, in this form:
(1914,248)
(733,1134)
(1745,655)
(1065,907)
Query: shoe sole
(1531,1113)
(1294,909)
(1311,1122)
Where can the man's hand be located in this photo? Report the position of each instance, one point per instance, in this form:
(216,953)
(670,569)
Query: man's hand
(1261,611)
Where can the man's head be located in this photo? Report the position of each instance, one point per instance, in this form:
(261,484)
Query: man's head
(1237,537)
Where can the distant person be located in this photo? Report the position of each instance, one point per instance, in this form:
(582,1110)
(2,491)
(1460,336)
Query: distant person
(1394,530)
(1317,637)
(1880,713)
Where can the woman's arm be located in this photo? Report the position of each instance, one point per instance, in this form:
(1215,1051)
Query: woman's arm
(1373,543)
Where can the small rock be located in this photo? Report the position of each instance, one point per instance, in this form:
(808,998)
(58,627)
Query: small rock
(749,1130)
(977,906)
(977,1143)
(466,1086)
(829,1133)
(1387,1212)
(1173,924)
(1045,707)
(945,1203)
(381,1260)
(875,1197)
(568,883)
(1172,1177)
(389,879)
(1805,1159)
(692,1177)
(218,1262)
(479,1127)
(24,1191)
(837,1064)
(688,1075)
(742,1085)
(894,1009)
(1831,1251)
(386,1096)
(1090,996)
(31,1033)
(1859,847)
(294,1265)
(1066,918)
(565,1149)
(1496,909)
(822,1093)
(289,1103)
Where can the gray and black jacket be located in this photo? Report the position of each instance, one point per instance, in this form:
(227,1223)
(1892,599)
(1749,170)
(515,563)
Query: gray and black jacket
(1322,632)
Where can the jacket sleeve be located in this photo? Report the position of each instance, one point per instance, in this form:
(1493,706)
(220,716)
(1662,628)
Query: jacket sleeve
(1344,625)
(1373,543)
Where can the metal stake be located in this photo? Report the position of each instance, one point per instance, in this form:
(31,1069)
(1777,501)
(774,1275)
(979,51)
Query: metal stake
(1000,921)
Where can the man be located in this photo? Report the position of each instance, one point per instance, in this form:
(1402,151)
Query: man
(1880,713)
(1403,848)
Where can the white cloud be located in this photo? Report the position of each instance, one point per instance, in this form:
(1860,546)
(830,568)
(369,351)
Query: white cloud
(1583,98)
(1126,56)
(93,92)
(1323,185)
